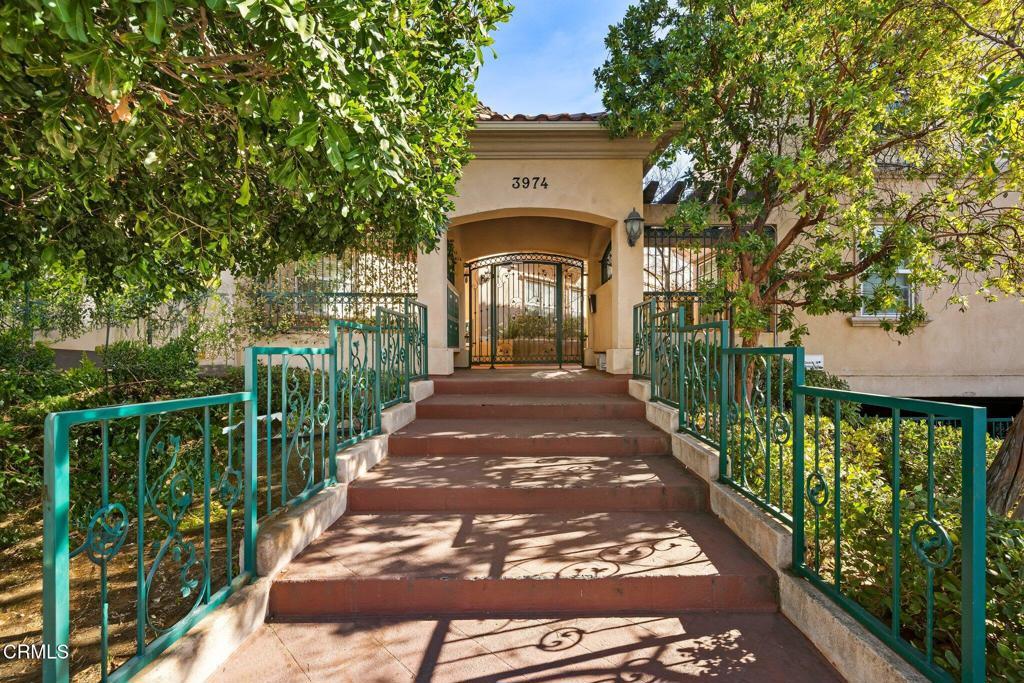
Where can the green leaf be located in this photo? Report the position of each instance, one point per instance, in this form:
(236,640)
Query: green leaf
(101,82)
(157,12)
(304,135)
(243,194)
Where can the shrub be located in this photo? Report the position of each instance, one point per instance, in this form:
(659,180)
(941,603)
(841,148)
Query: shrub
(27,370)
(137,361)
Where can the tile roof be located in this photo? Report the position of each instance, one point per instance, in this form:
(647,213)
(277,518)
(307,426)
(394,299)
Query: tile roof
(485,113)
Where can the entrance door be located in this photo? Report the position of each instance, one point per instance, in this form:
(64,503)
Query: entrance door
(525,308)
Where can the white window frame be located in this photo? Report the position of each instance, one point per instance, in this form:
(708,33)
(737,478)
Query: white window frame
(910,298)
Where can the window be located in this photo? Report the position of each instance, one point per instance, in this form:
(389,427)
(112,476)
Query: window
(870,283)
(606,264)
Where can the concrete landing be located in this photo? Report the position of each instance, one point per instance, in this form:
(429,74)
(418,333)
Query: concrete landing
(762,648)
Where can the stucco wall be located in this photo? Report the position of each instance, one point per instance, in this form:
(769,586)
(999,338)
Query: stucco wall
(577,214)
(979,352)
(975,353)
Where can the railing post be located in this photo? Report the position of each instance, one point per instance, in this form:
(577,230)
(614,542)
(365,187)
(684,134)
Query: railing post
(424,319)
(798,458)
(249,469)
(407,345)
(681,374)
(332,421)
(378,363)
(652,308)
(56,562)
(723,400)
(974,527)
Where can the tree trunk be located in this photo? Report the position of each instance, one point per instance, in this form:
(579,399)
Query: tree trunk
(1004,481)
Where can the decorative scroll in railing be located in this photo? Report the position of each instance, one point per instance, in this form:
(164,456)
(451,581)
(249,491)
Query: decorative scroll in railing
(703,404)
(416,315)
(763,432)
(393,352)
(928,565)
(292,389)
(897,541)
(159,516)
(357,392)
(642,316)
(453,318)
(163,491)
(665,355)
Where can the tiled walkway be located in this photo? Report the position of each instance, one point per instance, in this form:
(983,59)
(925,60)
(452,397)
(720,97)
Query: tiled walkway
(760,648)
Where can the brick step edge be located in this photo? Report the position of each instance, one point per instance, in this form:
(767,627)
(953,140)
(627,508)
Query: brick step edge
(532,387)
(346,597)
(492,411)
(399,445)
(582,499)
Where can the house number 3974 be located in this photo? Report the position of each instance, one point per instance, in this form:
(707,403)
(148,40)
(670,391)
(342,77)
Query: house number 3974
(525,182)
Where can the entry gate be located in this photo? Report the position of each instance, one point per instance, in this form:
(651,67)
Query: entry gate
(525,308)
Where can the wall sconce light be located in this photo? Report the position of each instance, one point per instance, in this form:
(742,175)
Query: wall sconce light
(634,226)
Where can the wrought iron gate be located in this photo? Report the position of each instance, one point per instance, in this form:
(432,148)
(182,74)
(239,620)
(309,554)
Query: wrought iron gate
(525,308)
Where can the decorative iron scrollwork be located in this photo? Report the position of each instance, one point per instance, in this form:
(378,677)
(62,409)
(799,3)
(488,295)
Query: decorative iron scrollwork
(931,544)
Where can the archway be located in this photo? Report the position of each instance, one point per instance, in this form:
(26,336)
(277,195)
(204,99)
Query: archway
(526,308)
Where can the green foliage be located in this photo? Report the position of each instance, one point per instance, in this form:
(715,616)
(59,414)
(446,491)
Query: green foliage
(826,119)
(136,361)
(866,549)
(154,145)
(529,325)
(31,387)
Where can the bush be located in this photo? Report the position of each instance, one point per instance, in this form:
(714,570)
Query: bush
(867,541)
(31,386)
(137,361)
(27,370)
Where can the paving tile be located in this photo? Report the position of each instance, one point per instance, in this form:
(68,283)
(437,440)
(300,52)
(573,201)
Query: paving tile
(725,647)
(261,657)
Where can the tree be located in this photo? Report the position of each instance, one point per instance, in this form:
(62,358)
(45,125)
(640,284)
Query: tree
(156,143)
(848,126)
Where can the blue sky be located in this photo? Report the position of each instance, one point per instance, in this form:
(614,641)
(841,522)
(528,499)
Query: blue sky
(547,53)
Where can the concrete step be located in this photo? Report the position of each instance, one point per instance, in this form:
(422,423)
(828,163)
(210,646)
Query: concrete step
(478,483)
(522,406)
(725,647)
(623,438)
(533,383)
(523,564)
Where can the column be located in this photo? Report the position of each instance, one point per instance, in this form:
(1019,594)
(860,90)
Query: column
(627,290)
(432,290)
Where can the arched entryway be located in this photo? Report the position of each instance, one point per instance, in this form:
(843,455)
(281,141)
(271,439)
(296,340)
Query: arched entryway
(526,308)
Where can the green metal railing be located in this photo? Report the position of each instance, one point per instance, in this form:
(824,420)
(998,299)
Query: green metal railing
(162,491)
(765,432)
(393,354)
(642,315)
(935,533)
(416,316)
(996,427)
(665,357)
(165,509)
(703,404)
(750,404)
(293,402)
(355,383)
